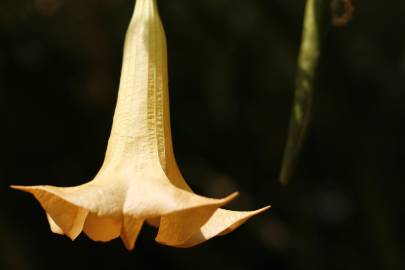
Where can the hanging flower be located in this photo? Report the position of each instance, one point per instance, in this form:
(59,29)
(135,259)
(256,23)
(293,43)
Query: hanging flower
(139,180)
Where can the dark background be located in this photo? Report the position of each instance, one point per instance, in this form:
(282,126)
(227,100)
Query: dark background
(232,65)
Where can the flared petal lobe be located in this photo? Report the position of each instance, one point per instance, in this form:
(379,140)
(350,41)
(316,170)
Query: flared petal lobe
(105,216)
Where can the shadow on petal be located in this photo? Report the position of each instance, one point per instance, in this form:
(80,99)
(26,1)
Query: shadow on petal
(102,228)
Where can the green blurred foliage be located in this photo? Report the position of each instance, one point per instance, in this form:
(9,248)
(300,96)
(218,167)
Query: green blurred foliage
(232,66)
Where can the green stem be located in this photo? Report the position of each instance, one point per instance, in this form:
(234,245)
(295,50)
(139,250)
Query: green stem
(307,65)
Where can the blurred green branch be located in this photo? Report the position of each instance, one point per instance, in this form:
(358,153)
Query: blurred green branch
(307,65)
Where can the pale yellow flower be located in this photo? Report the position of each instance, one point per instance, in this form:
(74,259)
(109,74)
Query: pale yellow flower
(139,179)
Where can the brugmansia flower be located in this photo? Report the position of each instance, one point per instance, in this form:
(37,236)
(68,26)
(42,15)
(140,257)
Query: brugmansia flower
(139,180)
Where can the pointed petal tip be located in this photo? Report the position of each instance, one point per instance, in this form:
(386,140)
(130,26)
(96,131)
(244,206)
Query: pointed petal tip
(17,187)
(129,231)
(24,188)
(243,217)
(261,210)
(29,189)
(72,237)
(127,245)
(230,198)
(57,230)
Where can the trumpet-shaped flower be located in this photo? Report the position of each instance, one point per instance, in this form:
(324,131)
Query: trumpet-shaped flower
(139,180)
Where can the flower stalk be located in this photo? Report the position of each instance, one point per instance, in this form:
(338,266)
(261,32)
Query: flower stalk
(307,65)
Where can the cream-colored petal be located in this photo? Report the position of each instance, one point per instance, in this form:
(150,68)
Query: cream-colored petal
(102,228)
(221,222)
(130,231)
(64,216)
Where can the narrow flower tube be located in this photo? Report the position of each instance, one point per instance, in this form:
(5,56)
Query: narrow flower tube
(139,179)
